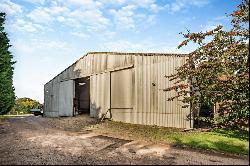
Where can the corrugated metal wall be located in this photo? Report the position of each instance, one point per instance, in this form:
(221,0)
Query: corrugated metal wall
(150,105)
(150,101)
(122,94)
(99,94)
(51,98)
(66,95)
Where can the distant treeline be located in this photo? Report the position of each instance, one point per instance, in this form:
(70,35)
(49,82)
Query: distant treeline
(23,105)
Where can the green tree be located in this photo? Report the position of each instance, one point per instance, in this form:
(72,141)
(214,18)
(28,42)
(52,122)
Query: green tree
(23,105)
(218,70)
(7,94)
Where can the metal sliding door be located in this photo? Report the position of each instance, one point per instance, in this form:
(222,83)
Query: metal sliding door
(66,95)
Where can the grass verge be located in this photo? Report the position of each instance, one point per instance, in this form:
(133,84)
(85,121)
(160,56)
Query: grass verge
(4,117)
(221,140)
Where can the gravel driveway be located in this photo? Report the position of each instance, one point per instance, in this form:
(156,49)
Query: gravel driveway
(38,140)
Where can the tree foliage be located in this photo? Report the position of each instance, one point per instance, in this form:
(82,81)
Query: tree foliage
(23,105)
(7,95)
(218,70)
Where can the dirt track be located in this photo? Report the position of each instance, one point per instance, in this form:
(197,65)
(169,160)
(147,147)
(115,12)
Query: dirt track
(38,140)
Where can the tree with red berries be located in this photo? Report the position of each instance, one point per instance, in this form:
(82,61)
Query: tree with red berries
(218,70)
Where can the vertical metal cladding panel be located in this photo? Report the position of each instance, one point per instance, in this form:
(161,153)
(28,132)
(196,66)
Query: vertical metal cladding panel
(135,117)
(56,95)
(149,89)
(51,99)
(47,101)
(99,94)
(122,95)
(65,100)
(146,94)
(92,96)
(151,104)
(138,90)
(117,61)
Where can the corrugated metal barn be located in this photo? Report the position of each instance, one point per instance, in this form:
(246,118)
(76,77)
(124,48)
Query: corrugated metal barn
(125,87)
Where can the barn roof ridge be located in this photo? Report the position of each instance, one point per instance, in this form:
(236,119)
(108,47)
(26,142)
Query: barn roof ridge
(121,53)
(135,53)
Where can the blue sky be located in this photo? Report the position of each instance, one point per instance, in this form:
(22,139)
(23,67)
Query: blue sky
(49,35)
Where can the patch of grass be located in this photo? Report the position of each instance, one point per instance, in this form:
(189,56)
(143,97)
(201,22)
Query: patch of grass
(214,141)
(222,140)
(232,133)
(5,117)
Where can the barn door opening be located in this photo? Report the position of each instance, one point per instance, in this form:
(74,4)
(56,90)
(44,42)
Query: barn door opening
(82,96)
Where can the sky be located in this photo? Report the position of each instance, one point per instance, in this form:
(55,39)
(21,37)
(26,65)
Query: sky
(49,35)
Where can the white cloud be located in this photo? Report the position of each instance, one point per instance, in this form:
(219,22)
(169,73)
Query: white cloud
(85,4)
(128,18)
(198,3)
(138,3)
(36,1)
(113,2)
(40,15)
(179,5)
(141,16)
(10,8)
(25,26)
(93,17)
(156,8)
(124,17)
(31,47)
(73,14)
(71,22)
(80,34)
(48,44)
(142,3)
(89,13)
(151,19)
(57,10)
(60,19)
(108,35)
(22,48)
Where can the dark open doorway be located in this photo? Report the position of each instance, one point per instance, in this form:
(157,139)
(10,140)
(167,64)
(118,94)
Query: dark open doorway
(82,96)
